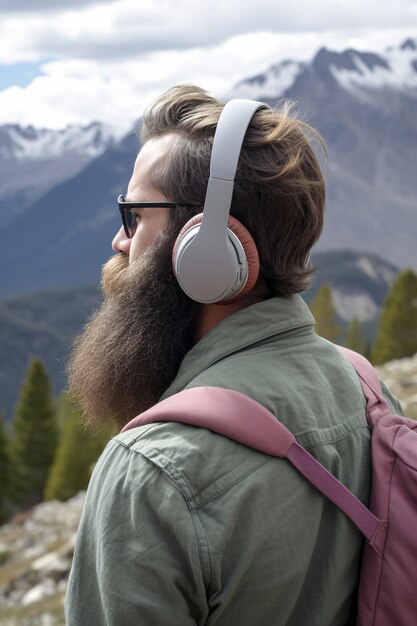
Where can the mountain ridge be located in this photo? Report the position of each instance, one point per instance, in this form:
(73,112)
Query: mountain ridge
(371,185)
(395,67)
(33,160)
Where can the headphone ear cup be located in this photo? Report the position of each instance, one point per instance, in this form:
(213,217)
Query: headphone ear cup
(197,219)
(248,244)
(252,257)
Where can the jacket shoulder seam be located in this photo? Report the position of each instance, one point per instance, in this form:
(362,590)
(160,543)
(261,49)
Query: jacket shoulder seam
(182,486)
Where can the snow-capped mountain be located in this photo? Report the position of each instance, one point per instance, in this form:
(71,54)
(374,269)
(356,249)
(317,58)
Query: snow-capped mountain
(359,282)
(357,72)
(396,69)
(29,143)
(365,106)
(33,160)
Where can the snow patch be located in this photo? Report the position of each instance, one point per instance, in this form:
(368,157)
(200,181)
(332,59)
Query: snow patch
(350,305)
(272,84)
(400,73)
(30,144)
(365,264)
(376,270)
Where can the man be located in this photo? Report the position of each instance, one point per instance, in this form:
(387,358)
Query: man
(183,526)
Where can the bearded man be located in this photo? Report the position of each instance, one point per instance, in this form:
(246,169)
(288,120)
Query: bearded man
(183,526)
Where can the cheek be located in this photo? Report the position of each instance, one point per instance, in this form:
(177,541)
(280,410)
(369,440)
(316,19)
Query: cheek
(135,249)
(146,233)
(141,240)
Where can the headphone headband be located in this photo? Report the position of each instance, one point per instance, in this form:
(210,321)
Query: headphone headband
(228,139)
(227,146)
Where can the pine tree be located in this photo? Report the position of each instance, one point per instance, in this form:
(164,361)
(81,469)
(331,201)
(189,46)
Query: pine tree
(324,313)
(354,338)
(4,472)
(34,437)
(397,332)
(76,455)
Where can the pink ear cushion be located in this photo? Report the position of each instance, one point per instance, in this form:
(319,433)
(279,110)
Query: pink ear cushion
(251,253)
(245,239)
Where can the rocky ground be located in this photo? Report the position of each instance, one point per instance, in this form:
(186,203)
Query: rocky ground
(35,557)
(401,378)
(36,548)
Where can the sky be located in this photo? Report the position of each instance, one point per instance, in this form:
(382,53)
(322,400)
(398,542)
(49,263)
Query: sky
(76,61)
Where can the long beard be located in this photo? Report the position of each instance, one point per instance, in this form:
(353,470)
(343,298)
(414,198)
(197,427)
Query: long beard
(132,347)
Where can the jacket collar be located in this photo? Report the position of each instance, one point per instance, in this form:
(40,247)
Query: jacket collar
(272,317)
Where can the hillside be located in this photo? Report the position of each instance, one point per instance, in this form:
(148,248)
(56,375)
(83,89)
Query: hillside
(42,324)
(45,323)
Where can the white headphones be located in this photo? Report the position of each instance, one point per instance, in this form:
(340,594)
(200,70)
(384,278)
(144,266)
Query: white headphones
(215,258)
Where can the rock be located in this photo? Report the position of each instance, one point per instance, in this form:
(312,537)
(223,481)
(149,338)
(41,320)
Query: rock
(40,543)
(39,591)
(401,377)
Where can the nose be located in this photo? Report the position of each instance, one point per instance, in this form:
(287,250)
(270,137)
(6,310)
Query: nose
(121,243)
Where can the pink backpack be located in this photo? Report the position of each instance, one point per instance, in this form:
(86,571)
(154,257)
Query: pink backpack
(387,586)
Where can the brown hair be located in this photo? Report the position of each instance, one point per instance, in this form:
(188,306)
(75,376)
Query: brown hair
(279,191)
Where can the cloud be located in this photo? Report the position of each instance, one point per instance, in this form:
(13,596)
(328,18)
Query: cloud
(78,91)
(106,60)
(31,6)
(125,28)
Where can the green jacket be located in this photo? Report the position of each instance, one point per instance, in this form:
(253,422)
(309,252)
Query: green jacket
(182,526)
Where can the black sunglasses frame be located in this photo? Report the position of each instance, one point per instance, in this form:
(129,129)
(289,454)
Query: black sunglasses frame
(128,218)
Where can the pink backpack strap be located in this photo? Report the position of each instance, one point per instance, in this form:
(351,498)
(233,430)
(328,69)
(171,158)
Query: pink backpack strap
(229,413)
(235,415)
(377,406)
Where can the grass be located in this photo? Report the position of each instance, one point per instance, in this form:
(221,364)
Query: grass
(5,556)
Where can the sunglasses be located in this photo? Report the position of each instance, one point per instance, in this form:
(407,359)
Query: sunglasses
(130,217)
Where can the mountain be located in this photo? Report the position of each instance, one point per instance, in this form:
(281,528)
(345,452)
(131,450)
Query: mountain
(66,235)
(359,283)
(45,323)
(365,106)
(34,160)
(364,74)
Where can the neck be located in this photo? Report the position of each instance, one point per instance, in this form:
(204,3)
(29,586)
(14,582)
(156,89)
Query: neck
(213,314)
